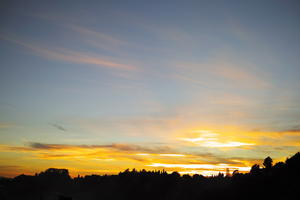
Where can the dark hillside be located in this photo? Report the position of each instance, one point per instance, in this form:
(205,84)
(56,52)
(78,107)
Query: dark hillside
(279,181)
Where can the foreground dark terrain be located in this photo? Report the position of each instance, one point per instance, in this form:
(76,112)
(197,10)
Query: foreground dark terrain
(279,181)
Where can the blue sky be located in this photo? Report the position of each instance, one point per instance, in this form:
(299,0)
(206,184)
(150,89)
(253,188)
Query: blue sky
(150,73)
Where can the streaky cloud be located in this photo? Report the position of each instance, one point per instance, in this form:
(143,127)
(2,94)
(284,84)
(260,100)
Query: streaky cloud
(71,56)
(115,146)
(59,127)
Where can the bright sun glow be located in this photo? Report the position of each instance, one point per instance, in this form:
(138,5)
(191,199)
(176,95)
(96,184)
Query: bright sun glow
(172,155)
(228,144)
(218,167)
(208,138)
(142,154)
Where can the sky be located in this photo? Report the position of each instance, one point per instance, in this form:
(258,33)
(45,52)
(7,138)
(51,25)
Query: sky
(190,86)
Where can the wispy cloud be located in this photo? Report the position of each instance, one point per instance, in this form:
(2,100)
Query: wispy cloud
(59,127)
(87,35)
(10,170)
(119,156)
(117,147)
(191,80)
(293,129)
(224,69)
(6,125)
(127,149)
(99,38)
(237,73)
(71,56)
(5,167)
(118,151)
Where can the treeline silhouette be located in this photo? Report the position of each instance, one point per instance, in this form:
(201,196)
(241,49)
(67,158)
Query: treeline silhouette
(279,181)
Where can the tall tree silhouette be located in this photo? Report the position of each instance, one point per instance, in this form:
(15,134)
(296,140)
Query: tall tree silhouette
(255,169)
(268,162)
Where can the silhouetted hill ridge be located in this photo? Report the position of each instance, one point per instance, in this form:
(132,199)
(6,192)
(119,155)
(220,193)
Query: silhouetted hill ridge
(279,181)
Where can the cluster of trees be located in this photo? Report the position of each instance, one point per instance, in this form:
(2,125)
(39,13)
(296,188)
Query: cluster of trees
(279,181)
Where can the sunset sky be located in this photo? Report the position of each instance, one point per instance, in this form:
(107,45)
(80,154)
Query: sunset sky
(193,86)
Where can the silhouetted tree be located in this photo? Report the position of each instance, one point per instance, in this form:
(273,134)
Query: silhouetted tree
(268,162)
(235,172)
(279,166)
(294,161)
(186,176)
(175,174)
(255,169)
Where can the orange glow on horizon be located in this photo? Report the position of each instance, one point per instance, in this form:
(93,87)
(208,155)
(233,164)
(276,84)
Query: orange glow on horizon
(111,159)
